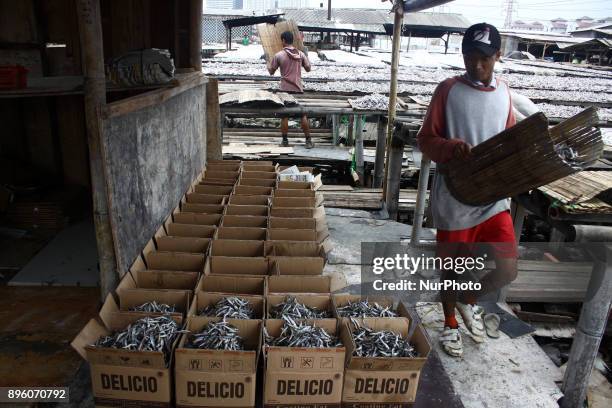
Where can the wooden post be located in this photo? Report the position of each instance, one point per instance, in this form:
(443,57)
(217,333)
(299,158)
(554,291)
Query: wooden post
(446,43)
(397,31)
(409,38)
(352,41)
(379,164)
(357,41)
(359,166)
(589,331)
(195,34)
(90,31)
(394,162)
(350,130)
(419,210)
(230,39)
(335,128)
(214,139)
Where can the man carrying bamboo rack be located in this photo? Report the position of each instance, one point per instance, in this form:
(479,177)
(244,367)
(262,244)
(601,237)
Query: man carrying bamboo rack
(465,111)
(291,61)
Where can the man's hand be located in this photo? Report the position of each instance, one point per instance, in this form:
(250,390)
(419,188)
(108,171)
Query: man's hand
(463,151)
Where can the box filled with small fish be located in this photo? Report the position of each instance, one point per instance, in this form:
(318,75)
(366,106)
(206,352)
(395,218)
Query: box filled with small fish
(130,356)
(346,306)
(216,362)
(304,362)
(299,306)
(383,364)
(227,306)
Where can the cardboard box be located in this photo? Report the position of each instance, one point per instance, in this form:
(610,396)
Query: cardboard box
(320,301)
(175,261)
(295,258)
(205,299)
(223,167)
(197,198)
(238,248)
(252,190)
(256,182)
(294,202)
(255,210)
(189,230)
(239,285)
(249,200)
(252,234)
(248,163)
(151,279)
(292,223)
(221,175)
(301,185)
(202,208)
(292,234)
(182,244)
(279,284)
(300,168)
(269,168)
(235,265)
(374,382)
(213,190)
(246,221)
(131,296)
(217,182)
(298,376)
(218,378)
(288,192)
(284,212)
(197,218)
(124,377)
(266,175)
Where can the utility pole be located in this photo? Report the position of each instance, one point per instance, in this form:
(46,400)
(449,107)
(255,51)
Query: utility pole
(509,8)
(329,10)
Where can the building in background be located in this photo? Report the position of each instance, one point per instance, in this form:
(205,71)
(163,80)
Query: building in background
(224,4)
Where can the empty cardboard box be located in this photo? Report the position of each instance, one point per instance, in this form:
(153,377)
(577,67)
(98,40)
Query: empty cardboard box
(247,221)
(174,261)
(239,285)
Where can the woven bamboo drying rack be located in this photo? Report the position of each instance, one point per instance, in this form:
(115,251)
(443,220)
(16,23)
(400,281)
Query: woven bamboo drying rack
(270,36)
(523,158)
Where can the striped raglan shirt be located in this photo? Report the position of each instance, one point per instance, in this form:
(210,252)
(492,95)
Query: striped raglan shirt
(461,110)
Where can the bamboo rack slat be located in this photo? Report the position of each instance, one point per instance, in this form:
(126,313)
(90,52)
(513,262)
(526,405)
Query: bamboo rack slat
(524,157)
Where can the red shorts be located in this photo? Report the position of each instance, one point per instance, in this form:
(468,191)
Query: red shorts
(497,233)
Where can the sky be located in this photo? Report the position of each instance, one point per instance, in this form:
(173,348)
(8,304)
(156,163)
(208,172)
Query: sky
(492,11)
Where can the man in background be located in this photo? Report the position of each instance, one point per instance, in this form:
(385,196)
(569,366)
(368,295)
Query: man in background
(291,61)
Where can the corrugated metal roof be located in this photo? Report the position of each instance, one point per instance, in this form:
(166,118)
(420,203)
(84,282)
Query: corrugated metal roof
(594,41)
(370,20)
(543,37)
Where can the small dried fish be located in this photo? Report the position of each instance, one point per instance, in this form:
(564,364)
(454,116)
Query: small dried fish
(300,334)
(372,102)
(231,307)
(293,309)
(216,336)
(384,343)
(146,334)
(154,307)
(363,308)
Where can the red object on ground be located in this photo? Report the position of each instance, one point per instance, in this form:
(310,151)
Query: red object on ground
(13,77)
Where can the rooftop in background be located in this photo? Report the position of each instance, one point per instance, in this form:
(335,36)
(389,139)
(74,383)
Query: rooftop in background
(594,27)
(368,20)
(228,12)
(548,37)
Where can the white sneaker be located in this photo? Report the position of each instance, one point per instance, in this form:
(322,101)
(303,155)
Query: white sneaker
(451,342)
(472,317)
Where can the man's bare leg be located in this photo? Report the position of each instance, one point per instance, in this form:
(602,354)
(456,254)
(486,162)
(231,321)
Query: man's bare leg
(506,270)
(285,131)
(306,129)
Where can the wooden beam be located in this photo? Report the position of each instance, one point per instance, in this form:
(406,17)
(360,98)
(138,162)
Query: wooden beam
(379,164)
(214,139)
(195,34)
(395,159)
(397,31)
(359,166)
(155,97)
(90,30)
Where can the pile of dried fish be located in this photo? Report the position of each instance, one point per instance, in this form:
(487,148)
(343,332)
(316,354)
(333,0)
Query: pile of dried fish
(291,308)
(216,336)
(384,343)
(300,334)
(154,307)
(146,334)
(231,307)
(363,308)
(371,102)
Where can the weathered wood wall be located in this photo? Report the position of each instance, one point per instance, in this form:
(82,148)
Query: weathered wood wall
(152,155)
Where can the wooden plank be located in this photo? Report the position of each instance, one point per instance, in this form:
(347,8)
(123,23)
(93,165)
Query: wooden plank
(152,98)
